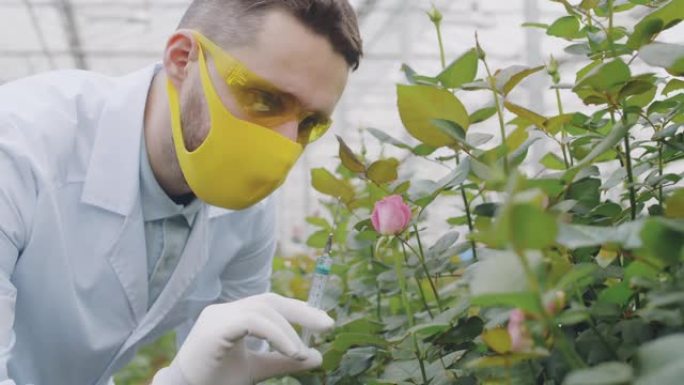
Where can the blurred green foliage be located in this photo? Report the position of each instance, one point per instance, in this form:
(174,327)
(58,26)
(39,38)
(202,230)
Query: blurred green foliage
(148,361)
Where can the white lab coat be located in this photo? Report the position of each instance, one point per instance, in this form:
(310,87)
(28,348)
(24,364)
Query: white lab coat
(73,269)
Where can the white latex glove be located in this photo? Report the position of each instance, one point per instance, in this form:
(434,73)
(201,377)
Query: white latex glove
(214,353)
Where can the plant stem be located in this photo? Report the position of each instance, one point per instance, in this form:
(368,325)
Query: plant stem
(418,283)
(423,299)
(657,129)
(660,172)
(499,114)
(627,164)
(377,287)
(399,267)
(427,273)
(463,194)
(630,177)
(611,44)
(466,205)
(421,258)
(441,45)
(420,359)
(563,133)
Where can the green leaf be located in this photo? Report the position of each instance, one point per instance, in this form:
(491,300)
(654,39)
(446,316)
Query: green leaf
(663,239)
(457,176)
(356,361)
(580,276)
(516,138)
(458,221)
(443,243)
(464,332)
(428,329)
(552,161)
(589,4)
(550,186)
(360,325)
(509,77)
(531,228)
(524,300)
(641,270)
(453,129)
(385,138)
(324,182)
(344,341)
(586,192)
(414,78)
(580,49)
(555,123)
(572,317)
(483,171)
(575,236)
(618,294)
(526,114)
(674,204)
(611,140)
(318,239)
(673,85)
(665,55)
(517,156)
(661,361)
(420,105)
(663,18)
(398,371)
(318,222)
(498,340)
(566,27)
(423,150)
(605,77)
(349,160)
(460,71)
(635,87)
(641,100)
(487,209)
(535,25)
(482,114)
(409,72)
(383,171)
(607,373)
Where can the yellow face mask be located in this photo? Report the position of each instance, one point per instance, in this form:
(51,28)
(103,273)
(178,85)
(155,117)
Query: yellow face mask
(240,162)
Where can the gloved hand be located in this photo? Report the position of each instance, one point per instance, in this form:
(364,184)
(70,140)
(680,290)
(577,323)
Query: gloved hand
(214,353)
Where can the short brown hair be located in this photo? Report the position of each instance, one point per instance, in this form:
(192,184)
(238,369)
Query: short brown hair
(234,22)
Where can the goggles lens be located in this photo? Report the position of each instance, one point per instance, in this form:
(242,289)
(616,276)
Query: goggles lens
(262,102)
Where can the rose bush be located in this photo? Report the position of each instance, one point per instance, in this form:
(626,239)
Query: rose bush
(568,275)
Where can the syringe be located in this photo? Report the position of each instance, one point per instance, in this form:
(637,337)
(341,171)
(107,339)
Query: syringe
(320,278)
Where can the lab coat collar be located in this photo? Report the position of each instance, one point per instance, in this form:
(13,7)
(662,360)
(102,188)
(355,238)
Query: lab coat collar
(112,179)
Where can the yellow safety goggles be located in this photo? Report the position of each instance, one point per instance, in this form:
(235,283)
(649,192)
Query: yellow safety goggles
(262,102)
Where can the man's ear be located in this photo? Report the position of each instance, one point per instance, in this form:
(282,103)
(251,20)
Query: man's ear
(181,50)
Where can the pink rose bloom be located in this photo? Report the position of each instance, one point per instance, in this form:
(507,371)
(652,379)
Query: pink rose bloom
(520,337)
(391,215)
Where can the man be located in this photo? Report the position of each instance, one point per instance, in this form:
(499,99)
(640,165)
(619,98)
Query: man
(131,206)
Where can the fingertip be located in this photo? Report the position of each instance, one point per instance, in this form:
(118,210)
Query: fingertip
(328,322)
(324,321)
(314,358)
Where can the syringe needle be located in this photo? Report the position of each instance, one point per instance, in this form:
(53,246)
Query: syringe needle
(320,278)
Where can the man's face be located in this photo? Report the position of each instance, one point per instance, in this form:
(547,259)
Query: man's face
(289,56)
